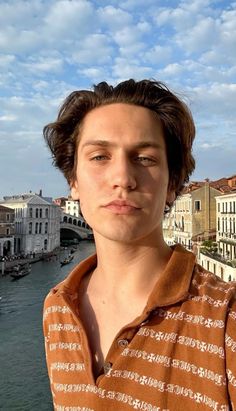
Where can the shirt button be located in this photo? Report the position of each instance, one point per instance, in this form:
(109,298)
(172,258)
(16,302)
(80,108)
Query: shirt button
(107,367)
(123,343)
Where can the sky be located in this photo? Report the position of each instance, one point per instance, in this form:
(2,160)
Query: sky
(49,48)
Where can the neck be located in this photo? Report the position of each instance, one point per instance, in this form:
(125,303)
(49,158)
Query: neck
(129,269)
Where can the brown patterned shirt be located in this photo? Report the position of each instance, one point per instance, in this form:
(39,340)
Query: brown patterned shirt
(179,354)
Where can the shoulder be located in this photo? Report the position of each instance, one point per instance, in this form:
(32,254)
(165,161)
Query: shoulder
(206,286)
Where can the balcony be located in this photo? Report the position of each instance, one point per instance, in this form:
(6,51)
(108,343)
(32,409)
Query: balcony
(218,257)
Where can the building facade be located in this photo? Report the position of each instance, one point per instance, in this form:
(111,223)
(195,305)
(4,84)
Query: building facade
(193,216)
(37,223)
(7,231)
(226,225)
(72,207)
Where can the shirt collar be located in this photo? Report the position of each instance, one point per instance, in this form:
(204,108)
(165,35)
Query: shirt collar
(172,285)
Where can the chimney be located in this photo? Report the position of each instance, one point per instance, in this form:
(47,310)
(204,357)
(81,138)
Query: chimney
(40,192)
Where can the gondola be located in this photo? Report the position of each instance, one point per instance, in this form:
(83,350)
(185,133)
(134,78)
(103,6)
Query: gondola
(67,260)
(16,275)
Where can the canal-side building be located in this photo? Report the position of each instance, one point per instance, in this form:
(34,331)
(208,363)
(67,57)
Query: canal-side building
(223,262)
(226,225)
(37,223)
(61,202)
(72,207)
(69,206)
(7,231)
(193,216)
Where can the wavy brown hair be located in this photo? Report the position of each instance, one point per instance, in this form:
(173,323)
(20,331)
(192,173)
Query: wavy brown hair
(63,135)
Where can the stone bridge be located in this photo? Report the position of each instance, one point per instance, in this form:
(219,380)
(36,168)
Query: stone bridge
(76,225)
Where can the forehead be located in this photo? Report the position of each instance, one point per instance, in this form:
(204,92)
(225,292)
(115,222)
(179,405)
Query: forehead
(123,120)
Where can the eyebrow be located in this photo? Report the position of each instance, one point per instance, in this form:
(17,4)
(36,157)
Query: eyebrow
(105,143)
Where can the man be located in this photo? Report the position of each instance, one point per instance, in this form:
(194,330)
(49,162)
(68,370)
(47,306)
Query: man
(139,325)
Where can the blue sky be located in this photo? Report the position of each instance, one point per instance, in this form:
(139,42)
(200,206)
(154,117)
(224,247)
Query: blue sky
(49,48)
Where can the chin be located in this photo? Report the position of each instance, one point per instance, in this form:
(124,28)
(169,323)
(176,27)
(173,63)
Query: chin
(123,234)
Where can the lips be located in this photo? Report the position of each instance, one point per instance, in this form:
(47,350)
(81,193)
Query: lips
(122,207)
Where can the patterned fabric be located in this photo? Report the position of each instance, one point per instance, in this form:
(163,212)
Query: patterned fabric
(178,355)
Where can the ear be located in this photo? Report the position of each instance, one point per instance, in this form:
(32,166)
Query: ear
(74,190)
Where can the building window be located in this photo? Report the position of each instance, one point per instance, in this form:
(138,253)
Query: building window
(36,228)
(37,213)
(197,205)
(40,213)
(40,228)
(30,228)
(8,217)
(8,231)
(46,213)
(45,245)
(30,212)
(46,228)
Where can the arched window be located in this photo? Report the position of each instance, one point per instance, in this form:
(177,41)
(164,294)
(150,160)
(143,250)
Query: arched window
(30,228)
(46,228)
(46,213)
(37,213)
(45,245)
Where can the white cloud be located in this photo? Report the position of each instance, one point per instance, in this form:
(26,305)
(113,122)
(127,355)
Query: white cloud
(158,55)
(17,12)
(40,64)
(129,35)
(95,49)
(217,98)
(200,37)
(114,18)
(68,20)
(12,41)
(136,4)
(6,60)
(95,74)
(123,69)
(8,117)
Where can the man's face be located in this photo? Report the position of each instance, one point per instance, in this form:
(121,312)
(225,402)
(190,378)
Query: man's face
(122,173)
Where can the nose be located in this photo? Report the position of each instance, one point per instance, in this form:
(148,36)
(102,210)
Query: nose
(123,174)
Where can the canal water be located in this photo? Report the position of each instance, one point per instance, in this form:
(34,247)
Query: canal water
(24,384)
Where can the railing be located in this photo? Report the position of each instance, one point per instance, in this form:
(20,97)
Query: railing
(219,258)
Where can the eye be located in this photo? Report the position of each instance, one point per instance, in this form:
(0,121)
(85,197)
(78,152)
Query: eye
(145,160)
(100,157)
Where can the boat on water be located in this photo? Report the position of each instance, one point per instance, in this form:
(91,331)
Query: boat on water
(21,272)
(67,260)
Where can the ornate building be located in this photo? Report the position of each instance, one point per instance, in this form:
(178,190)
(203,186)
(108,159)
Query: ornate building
(37,223)
(7,231)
